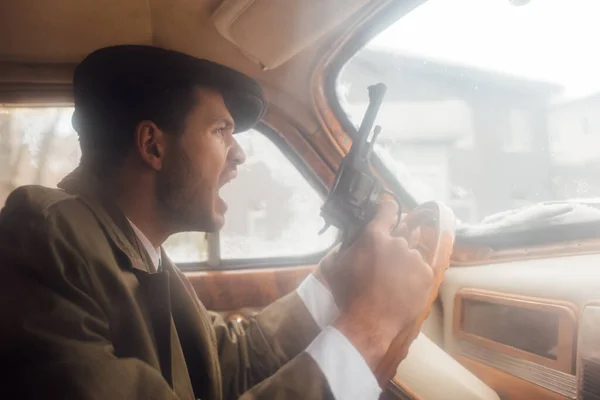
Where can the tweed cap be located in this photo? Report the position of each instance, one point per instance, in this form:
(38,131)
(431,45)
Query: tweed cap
(116,85)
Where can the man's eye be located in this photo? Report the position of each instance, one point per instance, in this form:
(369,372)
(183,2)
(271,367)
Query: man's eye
(222,130)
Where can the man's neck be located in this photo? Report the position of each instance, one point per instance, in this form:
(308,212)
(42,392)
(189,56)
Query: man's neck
(136,199)
(145,225)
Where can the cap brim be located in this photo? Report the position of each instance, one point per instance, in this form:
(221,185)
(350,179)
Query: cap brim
(245,108)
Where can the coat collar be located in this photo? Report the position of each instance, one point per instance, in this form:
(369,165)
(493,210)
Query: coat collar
(154,253)
(86,186)
(170,290)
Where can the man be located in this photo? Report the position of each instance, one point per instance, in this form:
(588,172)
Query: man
(92,308)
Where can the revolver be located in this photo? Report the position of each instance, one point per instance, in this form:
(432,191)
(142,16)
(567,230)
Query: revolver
(354,197)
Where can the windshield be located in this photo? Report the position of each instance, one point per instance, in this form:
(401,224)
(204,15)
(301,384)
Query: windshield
(490,105)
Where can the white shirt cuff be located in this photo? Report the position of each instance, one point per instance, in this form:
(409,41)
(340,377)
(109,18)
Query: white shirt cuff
(318,300)
(345,369)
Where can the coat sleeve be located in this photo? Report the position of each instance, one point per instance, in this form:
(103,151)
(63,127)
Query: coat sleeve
(252,351)
(300,378)
(265,355)
(55,336)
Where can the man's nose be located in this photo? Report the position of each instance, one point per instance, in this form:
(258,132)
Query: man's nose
(237,154)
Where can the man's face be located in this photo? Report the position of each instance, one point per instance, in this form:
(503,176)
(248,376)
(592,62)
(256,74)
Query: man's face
(197,164)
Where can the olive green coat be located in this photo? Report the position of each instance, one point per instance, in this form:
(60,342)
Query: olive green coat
(82,318)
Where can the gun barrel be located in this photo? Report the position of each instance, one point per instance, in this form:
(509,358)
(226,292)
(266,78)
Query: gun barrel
(376,94)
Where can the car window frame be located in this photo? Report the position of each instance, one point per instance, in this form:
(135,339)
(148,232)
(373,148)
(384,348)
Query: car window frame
(370,28)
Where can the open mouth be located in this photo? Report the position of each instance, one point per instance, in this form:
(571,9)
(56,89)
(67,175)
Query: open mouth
(225,179)
(228,177)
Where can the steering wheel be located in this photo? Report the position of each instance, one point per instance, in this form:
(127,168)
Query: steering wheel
(413,362)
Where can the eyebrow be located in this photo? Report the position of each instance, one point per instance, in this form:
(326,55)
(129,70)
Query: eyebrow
(228,122)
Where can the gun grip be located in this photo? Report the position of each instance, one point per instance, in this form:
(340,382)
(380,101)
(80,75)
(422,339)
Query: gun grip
(349,236)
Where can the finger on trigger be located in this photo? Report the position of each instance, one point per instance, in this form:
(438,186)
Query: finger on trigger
(400,230)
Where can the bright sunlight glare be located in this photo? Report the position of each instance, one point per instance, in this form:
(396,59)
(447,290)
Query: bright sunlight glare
(545,40)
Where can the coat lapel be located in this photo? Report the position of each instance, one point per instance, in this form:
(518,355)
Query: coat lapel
(180,322)
(196,335)
(157,292)
(85,186)
(155,286)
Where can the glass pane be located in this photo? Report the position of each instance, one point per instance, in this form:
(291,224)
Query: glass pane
(187,247)
(39,146)
(490,105)
(273,211)
(534,331)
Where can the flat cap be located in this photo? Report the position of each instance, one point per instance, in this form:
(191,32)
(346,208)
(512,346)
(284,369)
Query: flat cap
(117,84)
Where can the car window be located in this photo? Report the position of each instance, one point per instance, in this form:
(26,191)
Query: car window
(39,146)
(491,105)
(273,211)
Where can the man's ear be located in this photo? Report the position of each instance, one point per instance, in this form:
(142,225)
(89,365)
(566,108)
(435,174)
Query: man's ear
(150,144)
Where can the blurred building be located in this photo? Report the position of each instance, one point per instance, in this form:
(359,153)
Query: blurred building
(479,139)
(574,128)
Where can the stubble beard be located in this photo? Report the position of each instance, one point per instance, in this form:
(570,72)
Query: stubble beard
(178,194)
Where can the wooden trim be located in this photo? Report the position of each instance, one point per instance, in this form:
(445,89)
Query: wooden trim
(567,335)
(506,385)
(41,74)
(473,256)
(582,340)
(302,147)
(234,290)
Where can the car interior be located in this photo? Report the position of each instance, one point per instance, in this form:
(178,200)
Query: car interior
(492,111)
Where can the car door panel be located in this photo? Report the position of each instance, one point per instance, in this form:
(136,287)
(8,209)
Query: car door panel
(544,297)
(233,290)
(433,327)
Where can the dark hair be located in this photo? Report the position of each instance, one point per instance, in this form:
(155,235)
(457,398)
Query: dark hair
(106,134)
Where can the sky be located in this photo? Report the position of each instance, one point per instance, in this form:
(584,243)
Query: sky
(547,40)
